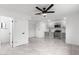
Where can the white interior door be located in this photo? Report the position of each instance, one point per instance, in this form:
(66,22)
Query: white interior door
(20,32)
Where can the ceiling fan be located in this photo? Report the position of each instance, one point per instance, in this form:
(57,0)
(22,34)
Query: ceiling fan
(44,11)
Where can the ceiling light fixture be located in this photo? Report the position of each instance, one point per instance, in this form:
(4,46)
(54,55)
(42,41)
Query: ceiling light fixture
(44,14)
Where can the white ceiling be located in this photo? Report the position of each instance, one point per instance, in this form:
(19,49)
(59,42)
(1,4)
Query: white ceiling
(29,9)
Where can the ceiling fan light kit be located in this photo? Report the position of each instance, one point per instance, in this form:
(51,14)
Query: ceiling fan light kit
(44,15)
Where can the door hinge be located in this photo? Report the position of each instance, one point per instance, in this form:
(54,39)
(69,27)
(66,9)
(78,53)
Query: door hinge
(12,44)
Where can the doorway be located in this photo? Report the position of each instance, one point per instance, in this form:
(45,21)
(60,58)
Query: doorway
(5,30)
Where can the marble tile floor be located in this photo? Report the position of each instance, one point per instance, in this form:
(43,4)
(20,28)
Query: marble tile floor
(38,46)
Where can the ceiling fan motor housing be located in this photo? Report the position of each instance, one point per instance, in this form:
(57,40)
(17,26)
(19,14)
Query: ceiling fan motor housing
(44,10)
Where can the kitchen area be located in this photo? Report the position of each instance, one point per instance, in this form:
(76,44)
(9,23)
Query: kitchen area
(50,29)
(55,30)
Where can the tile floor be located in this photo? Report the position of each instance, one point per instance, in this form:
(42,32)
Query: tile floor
(41,47)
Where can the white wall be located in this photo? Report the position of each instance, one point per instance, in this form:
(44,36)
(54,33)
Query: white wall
(32,28)
(72,29)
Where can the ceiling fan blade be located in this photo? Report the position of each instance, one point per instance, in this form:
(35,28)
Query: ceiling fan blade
(49,7)
(50,12)
(39,8)
(38,14)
